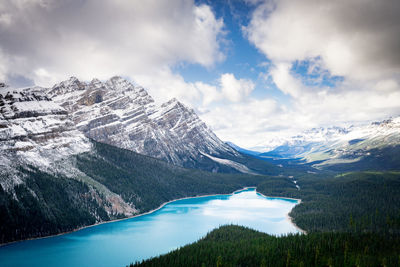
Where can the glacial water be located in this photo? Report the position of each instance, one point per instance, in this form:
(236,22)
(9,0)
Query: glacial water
(176,224)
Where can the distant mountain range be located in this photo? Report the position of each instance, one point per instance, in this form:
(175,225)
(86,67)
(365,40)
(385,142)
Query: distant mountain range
(374,145)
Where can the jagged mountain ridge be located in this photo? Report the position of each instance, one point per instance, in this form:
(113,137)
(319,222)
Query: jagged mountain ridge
(41,127)
(119,113)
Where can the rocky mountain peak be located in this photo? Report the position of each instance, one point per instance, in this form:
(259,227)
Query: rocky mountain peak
(119,83)
(96,83)
(68,86)
(387,124)
(174,104)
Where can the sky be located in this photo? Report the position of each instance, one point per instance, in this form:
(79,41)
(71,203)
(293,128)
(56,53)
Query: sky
(255,71)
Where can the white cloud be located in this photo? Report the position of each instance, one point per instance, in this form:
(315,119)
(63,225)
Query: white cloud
(285,81)
(356,40)
(99,38)
(388,85)
(164,85)
(286,35)
(3,66)
(198,94)
(210,93)
(233,89)
(244,123)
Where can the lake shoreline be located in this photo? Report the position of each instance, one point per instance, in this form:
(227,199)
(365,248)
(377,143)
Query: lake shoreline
(154,210)
(287,215)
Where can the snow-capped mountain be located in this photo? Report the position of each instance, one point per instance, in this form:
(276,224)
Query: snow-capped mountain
(55,177)
(43,128)
(336,145)
(314,135)
(34,131)
(42,125)
(119,113)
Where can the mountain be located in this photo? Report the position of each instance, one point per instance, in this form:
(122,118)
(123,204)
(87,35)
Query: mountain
(377,143)
(118,113)
(54,179)
(306,142)
(40,127)
(243,150)
(34,131)
(55,176)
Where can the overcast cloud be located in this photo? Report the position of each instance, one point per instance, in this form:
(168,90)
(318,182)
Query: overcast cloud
(359,39)
(48,41)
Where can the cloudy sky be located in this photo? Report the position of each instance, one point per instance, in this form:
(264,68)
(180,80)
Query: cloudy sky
(253,70)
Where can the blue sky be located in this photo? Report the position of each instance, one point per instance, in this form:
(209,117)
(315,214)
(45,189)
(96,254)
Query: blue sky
(241,57)
(256,71)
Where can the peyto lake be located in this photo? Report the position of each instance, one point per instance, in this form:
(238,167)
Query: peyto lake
(176,224)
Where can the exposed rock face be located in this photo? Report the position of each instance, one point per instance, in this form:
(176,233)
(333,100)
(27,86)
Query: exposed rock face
(118,113)
(34,129)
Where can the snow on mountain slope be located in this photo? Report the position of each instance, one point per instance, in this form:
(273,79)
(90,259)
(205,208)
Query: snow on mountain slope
(240,167)
(43,128)
(340,145)
(37,133)
(119,113)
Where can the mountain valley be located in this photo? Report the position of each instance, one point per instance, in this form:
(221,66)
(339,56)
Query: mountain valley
(69,156)
(367,146)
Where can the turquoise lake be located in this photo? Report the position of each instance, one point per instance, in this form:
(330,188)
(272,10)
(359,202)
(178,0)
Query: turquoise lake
(176,224)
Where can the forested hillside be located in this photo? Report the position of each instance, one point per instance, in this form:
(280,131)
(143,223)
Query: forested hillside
(50,203)
(47,205)
(240,246)
(352,219)
(148,182)
(359,201)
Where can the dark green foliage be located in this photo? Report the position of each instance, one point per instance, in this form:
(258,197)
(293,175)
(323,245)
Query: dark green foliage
(361,201)
(148,182)
(240,246)
(45,205)
(351,220)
